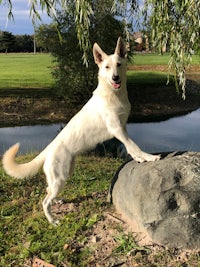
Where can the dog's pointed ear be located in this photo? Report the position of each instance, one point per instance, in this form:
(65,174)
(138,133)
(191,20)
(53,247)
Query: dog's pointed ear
(120,49)
(98,54)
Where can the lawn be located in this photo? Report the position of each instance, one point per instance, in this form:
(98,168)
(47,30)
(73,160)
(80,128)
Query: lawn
(150,59)
(24,231)
(20,70)
(157,59)
(89,234)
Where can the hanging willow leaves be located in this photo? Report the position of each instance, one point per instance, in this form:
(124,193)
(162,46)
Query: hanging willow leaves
(176,23)
(83,12)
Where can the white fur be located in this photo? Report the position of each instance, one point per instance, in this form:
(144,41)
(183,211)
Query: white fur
(104,116)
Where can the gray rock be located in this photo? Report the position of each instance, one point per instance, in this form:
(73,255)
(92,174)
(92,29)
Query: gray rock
(161,200)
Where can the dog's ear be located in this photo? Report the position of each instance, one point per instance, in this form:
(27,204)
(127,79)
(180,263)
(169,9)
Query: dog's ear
(120,49)
(98,54)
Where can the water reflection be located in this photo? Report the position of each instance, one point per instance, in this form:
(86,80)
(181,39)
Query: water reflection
(32,138)
(176,134)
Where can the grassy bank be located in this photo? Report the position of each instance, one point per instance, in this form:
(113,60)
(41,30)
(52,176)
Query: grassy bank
(28,71)
(25,232)
(90,232)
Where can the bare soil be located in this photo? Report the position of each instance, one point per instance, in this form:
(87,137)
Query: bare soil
(111,244)
(25,109)
(148,104)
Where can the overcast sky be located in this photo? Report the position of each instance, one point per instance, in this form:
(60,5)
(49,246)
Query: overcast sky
(22,23)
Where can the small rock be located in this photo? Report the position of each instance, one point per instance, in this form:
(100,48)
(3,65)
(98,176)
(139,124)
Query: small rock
(94,239)
(40,263)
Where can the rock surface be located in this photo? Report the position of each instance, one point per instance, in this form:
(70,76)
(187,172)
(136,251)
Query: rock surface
(161,200)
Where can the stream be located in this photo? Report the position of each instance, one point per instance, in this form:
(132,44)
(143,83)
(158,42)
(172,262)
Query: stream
(175,134)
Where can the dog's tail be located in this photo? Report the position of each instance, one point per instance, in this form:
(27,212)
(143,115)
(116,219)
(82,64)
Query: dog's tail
(21,170)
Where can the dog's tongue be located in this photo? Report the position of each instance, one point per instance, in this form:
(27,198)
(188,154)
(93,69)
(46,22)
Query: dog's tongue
(116,85)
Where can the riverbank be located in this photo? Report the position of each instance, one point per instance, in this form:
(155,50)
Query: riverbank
(159,103)
(149,103)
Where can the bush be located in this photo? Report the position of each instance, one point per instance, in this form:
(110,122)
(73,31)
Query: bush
(73,78)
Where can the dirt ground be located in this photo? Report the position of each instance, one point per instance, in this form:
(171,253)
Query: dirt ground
(149,103)
(111,243)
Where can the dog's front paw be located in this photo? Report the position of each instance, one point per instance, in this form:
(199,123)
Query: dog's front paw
(154,157)
(146,157)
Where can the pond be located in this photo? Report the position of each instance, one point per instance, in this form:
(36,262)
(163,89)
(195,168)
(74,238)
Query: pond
(175,134)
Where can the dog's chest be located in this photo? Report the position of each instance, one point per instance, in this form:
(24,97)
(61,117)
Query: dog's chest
(112,107)
(121,107)
(122,113)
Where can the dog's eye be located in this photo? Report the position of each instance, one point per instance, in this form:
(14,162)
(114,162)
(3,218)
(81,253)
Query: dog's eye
(107,66)
(119,64)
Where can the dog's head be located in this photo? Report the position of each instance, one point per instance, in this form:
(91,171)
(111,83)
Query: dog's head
(112,68)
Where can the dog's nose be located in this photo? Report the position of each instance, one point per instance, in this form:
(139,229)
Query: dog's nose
(115,78)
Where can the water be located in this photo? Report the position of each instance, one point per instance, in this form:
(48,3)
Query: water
(31,138)
(176,134)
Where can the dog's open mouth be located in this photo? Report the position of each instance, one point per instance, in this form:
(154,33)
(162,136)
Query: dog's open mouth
(116,85)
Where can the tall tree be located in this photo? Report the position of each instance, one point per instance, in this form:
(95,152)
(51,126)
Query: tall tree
(174,20)
(47,36)
(72,78)
(23,43)
(7,41)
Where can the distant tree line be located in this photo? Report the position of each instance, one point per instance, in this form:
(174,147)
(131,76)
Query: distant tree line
(16,43)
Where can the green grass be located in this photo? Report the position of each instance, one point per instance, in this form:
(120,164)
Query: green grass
(34,71)
(25,232)
(147,78)
(150,59)
(157,59)
(20,70)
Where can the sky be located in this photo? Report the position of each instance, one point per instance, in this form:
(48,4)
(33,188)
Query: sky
(22,23)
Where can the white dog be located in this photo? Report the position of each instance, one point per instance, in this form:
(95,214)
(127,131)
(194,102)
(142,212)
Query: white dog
(104,116)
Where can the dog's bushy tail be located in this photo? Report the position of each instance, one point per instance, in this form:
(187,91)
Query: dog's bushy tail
(20,170)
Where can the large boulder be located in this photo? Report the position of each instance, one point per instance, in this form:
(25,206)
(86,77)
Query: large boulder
(161,200)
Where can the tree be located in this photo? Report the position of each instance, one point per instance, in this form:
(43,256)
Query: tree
(23,43)
(174,20)
(7,41)
(15,43)
(73,79)
(47,36)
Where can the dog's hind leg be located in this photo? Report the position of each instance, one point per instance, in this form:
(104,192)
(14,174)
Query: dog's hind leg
(47,202)
(57,167)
